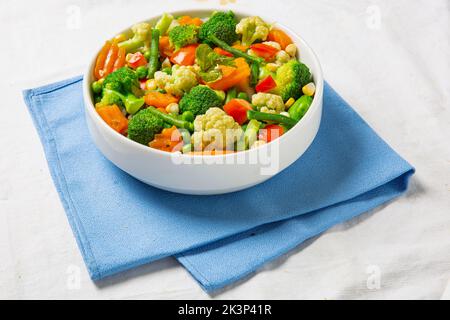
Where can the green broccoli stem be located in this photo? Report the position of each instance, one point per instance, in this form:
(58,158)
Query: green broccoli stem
(163,24)
(172,120)
(153,63)
(131,45)
(234,51)
(131,102)
(277,118)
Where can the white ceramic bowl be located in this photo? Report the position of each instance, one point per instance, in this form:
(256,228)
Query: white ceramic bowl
(213,174)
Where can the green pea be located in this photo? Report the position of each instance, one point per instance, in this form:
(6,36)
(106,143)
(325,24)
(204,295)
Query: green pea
(97,87)
(167,70)
(141,72)
(187,116)
(147,54)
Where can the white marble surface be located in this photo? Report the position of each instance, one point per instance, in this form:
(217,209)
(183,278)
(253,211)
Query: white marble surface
(389,59)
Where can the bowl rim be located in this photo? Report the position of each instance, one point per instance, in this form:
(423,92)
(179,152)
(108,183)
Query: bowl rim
(318,81)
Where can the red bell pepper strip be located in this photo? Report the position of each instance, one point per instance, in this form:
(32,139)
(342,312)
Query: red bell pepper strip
(270,132)
(237,108)
(135,60)
(264,51)
(266,84)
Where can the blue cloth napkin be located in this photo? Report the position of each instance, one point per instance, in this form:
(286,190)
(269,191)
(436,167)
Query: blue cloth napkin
(120,223)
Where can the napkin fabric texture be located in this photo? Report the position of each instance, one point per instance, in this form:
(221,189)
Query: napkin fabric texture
(120,222)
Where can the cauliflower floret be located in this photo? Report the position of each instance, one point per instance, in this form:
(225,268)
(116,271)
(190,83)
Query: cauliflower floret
(139,39)
(182,79)
(267,110)
(215,130)
(252,29)
(282,57)
(273,102)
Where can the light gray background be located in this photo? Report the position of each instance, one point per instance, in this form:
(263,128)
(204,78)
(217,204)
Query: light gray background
(389,59)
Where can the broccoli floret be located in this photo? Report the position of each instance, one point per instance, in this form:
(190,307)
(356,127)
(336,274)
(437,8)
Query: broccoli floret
(124,80)
(290,79)
(199,100)
(121,87)
(220,24)
(181,36)
(252,29)
(109,98)
(140,38)
(143,126)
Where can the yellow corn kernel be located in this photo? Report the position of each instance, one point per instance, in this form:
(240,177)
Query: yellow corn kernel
(272,67)
(309,89)
(289,103)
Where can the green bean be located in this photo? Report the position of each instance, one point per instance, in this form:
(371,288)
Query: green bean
(254,74)
(243,95)
(231,94)
(234,51)
(172,120)
(251,132)
(153,63)
(277,118)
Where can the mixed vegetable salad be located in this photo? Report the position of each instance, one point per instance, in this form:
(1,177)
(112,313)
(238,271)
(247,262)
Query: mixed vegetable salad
(192,85)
